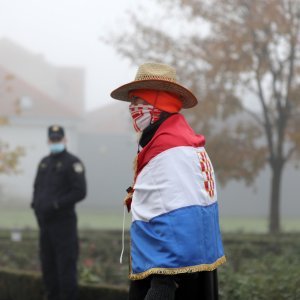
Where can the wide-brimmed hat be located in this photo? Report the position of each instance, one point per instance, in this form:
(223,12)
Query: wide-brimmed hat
(156,76)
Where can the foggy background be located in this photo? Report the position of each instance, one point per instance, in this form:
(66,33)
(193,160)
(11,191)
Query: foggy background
(63,72)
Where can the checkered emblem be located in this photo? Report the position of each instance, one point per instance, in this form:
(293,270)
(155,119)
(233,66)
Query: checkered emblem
(207,170)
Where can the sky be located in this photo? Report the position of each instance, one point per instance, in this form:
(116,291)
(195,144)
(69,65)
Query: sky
(67,33)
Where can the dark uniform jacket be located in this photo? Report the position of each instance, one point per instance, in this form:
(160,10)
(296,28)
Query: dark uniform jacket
(59,184)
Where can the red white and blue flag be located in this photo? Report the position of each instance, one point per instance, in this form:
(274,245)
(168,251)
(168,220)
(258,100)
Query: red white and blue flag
(175,223)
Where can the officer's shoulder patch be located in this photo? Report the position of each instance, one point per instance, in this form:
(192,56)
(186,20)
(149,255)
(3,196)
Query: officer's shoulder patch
(78,167)
(43,165)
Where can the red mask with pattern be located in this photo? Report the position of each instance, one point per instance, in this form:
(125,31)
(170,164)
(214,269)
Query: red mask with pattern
(143,115)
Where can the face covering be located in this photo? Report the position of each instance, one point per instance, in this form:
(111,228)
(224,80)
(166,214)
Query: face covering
(56,148)
(143,115)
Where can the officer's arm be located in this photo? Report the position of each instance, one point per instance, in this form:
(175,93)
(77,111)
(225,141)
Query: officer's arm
(77,190)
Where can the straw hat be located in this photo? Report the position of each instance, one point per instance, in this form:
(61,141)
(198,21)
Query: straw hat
(155,76)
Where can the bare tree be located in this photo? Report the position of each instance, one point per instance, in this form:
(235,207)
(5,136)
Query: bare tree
(241,58)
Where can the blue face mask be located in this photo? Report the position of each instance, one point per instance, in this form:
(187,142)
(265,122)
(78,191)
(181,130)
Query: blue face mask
(57,148)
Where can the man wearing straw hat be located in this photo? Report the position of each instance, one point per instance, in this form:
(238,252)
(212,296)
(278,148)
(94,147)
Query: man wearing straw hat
(176,243)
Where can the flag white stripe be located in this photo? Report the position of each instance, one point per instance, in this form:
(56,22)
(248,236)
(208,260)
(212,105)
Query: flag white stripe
(171,180)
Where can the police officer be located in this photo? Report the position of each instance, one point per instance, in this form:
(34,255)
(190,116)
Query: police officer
(59,184)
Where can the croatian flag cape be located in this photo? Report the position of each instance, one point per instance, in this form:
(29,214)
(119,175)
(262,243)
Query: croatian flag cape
(175,223)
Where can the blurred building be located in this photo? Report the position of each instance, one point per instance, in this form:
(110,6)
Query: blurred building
(61,84)
(33,95)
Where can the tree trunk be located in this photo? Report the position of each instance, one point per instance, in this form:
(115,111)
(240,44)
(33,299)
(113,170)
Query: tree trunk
(274,219)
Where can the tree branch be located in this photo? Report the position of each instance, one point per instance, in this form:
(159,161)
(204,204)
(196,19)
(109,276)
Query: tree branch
(254,116)
(289,154)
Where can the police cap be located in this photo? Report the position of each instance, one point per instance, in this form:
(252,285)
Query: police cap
(55,133)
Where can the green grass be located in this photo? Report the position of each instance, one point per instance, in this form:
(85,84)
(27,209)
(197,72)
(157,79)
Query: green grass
(257,224)
(16,218)
(97,219)
(87,219)
(102,220)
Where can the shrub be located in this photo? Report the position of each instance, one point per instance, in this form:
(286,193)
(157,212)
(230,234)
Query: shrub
(16,285)
(259,266)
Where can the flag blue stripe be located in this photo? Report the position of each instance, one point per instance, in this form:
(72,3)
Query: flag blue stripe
(187,236)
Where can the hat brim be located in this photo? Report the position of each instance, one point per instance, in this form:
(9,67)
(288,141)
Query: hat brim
(187,97)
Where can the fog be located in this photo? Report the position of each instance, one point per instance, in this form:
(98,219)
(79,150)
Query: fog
(62,72)
(68,33)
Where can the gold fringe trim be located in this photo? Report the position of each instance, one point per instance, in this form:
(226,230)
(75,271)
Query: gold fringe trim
(175,271)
